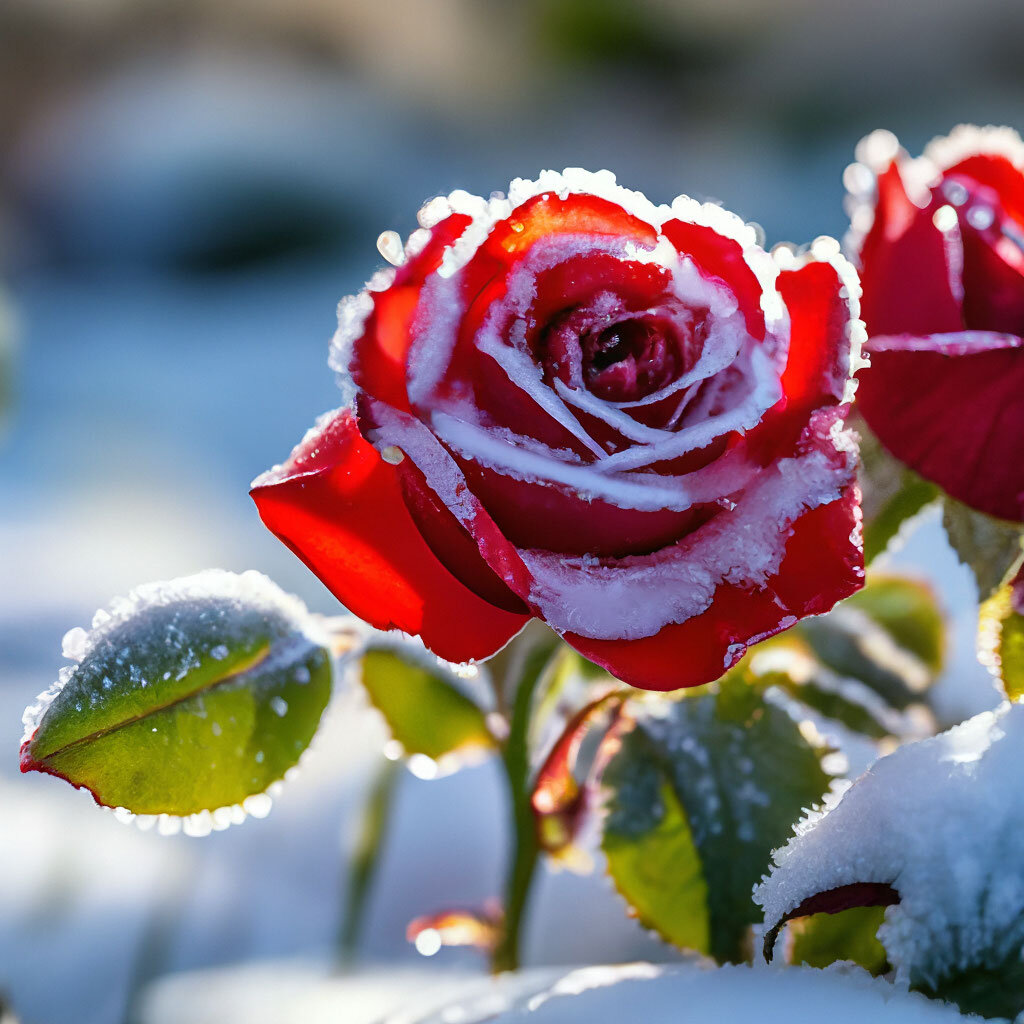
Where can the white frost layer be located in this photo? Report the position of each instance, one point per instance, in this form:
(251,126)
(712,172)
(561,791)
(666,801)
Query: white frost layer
(636,596)
(942,820)
(688,994)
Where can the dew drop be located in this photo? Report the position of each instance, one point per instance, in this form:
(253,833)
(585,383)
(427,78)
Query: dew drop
(74,644)
(981,217)
(428,942)
(423,767)
(955,192)
(258,805)
(279,706)
(945,218)
(220,652)
(389,245)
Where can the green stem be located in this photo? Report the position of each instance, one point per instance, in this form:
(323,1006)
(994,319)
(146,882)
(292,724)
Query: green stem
(516,760)
(366,857)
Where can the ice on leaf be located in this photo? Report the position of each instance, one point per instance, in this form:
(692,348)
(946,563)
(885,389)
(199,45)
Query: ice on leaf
(184,698)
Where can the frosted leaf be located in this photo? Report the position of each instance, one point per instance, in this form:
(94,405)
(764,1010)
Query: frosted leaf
(941,821)
(701,792)
(175,706)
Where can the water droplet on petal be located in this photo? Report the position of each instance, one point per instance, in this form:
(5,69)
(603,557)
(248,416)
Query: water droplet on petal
(981,217)
(945,218)
(389,245)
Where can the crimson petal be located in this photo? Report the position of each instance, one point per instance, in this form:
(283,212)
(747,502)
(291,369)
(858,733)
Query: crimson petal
(906,397)
(904,267)
(339,507)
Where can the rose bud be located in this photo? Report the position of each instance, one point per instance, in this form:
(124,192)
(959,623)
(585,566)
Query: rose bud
(940,241)
(621,418)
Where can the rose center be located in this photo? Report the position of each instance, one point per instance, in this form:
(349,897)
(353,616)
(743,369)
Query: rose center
(630,359)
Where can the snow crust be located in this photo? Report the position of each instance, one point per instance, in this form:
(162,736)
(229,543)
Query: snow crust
(681,994)
(942,821)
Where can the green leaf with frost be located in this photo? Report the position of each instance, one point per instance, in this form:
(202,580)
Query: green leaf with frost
(987,546)
(424,709)
(187,696)
(700,793)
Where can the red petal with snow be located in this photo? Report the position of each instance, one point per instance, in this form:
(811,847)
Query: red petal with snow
(823,564)
(339,507)
(380,353)
(954,412)
(722,258)
(818,362)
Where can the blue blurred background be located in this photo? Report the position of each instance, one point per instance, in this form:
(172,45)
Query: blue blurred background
(187,187)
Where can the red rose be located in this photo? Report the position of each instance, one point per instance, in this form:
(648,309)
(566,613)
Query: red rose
(941,243)
(617,417)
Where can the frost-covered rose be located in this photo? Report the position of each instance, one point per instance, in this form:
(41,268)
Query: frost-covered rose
(621,418)
(941,248)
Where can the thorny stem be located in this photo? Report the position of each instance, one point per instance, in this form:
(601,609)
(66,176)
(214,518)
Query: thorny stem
(516,761)
(362,869)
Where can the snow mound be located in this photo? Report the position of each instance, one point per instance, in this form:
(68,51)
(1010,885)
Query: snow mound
(942,822)
(686,993)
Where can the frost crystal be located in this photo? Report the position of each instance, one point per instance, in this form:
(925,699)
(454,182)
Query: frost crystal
(942,821)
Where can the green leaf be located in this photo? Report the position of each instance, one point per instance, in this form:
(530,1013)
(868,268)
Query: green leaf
(833,697)
(985,545)
(701,792)
(1001,634)
(986,991)
(889,636)
(821,939)
(908,611)
(892,495)
(911,496)
(187,696)
(423,708)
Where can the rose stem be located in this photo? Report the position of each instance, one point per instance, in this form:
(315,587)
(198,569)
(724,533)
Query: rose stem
(365,860)
(516,761)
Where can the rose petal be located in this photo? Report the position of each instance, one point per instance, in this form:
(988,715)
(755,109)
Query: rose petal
(905,267)
(999,173)
(721,257)
(339,507)
(907,397)
(379,353)
(823,564)
(818,362)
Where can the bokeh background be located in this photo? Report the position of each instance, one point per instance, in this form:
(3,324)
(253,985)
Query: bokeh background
(187,187)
